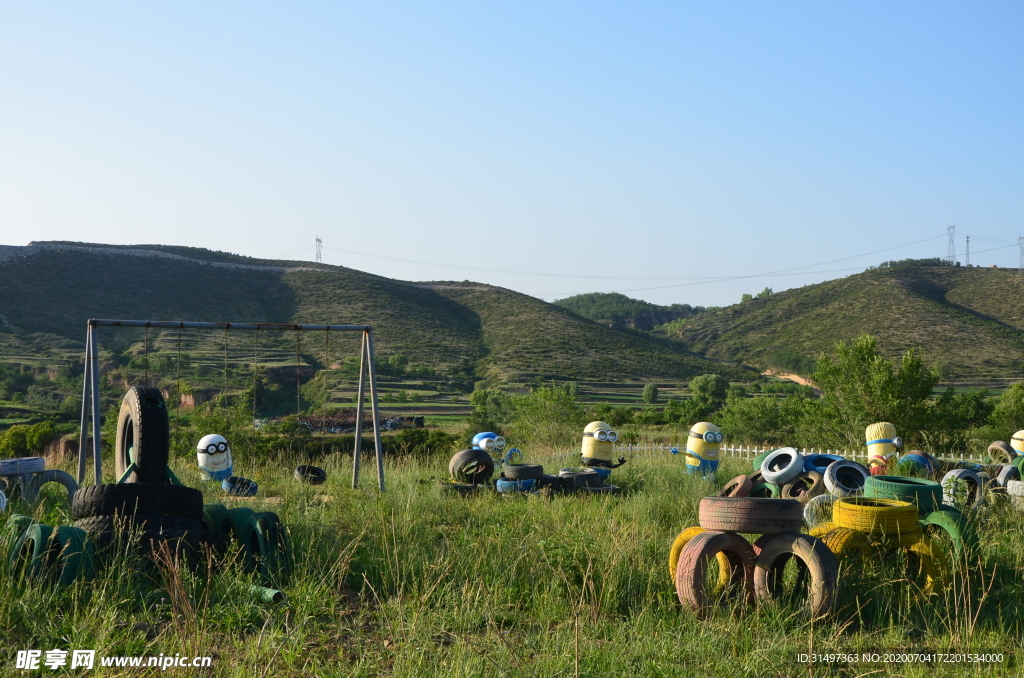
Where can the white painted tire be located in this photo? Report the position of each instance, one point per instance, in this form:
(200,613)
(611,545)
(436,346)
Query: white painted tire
(1007,473)
(835,474)
(1015,488)
(951,480)
(22,465)
(818,510)
(782,466)
(3,501)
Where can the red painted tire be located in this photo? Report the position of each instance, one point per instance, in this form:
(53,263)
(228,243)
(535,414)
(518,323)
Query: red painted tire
(693,563)
(740,486)
(752,515)
(818,564)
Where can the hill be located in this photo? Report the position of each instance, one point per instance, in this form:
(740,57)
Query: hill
(967,321)
(617,310)
(467,330)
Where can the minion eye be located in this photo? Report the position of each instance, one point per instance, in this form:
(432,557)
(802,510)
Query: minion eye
(211,449)
(718,436)
(613,436)
(499,442)
(487,444)
(709,437)
(897,441)
(222,447)
(601,436)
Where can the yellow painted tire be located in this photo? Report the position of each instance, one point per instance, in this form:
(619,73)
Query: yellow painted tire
(680,543)
(932,565)
(882,518)
(846,543)
(820,531)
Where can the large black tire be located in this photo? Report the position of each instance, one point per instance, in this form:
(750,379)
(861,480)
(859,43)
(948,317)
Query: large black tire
(524,471)
(142,425)
(471,466)
(97,525)
(134,498)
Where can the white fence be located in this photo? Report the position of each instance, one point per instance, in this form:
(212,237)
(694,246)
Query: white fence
(751,451)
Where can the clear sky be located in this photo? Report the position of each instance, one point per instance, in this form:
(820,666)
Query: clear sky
(647,145)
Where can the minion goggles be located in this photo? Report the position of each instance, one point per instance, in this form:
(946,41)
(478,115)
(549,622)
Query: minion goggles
(897,441)
(602,436)
(488,444)
(214,448)
(708,436)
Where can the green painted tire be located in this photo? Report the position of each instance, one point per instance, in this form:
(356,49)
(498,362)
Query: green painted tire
(214,516)
(234,522)
(31,553)
(13,529)
(760,458)
(926,495)
(268,550)
(957,528)
(74,559)
(761,489)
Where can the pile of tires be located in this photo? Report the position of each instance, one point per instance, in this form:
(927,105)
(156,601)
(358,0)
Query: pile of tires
(751,572)
(260,536)
(56,556)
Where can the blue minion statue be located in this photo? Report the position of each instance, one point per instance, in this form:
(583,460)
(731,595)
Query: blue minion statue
(491,443)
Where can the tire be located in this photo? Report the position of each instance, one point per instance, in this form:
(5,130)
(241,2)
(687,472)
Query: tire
(523,471)
(237,486)
(31,555)
(818,510)
(916,462)
(130,498)
(680,542)
(932,566)
(820,462)
(13,529)
(1007,473)
(102,527)
(1015,488)
(750,515)
(819,531)
(21,466)
(958,530)
(847,544)
(886,519)
(548,481)
(61,478)
(235,522)
(693,563)
(214,516)
(818,561)
(759,459)
(805,487)
(845,478)
(740,486)
(460,488)
(74,558)
(961,487)
(471,466)
(782,466)
(1001,453)
(3,501)
(926,495)
(576,479)
(268,548)
(142,425)
(504,485)
(600,489)
(764,491)
(756,478)
(311,475)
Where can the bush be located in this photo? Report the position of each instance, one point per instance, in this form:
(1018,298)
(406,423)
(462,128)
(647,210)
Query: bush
(650,394)
(15,441)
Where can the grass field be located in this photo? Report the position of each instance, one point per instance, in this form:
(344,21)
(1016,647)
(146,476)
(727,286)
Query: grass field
(417,583)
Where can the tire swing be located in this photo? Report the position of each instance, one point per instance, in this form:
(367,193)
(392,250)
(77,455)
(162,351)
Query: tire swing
(142,443)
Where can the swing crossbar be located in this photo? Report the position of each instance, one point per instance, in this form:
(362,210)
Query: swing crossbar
(91,386)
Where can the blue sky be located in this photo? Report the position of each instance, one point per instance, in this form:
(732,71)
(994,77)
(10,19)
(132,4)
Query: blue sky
(641,147)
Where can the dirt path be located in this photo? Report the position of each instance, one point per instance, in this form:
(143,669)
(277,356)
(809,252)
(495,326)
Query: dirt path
(803,381)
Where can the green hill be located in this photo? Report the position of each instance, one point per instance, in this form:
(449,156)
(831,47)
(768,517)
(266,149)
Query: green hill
(468,330)
(617,310)
(968,321)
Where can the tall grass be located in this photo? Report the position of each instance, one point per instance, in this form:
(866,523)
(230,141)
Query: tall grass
(418,583)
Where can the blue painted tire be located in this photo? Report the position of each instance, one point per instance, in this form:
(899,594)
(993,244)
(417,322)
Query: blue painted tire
(240,487)
(505,485)
(820,462)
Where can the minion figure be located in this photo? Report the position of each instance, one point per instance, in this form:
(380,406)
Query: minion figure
(882,442)
(214,457)
(599,440)
(491,443)
(702,443)
(1017,442)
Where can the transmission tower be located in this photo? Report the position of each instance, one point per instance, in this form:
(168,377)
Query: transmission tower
(967,256)
(319,247)
(951,248)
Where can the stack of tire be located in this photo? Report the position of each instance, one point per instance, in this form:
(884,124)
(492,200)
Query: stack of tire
(751,571)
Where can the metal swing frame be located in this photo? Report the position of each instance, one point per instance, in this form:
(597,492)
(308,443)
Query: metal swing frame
(91,384)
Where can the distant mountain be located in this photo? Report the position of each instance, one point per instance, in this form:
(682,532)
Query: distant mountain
(967,321)
(617,310)
(476,331)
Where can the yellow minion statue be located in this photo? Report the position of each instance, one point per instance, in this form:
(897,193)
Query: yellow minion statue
(702,444)
(882,441)
(599,440)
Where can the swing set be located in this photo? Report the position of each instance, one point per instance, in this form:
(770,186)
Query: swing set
(91,384)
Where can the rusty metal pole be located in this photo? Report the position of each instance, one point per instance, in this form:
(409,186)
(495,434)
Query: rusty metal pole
(376,413)
(359,414)
(83,431)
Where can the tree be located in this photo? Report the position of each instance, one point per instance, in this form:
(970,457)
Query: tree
(1008,415)
(650,394)
(765,293)
(746,297)
(709,390)
(861,387)
(14,443)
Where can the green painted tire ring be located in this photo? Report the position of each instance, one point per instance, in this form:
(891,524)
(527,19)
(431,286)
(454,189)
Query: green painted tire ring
(74,555)
(760,458)
(13,529)
(959,529)
(31,553)
(772,488)
(267,547)
(214,516)
(926,495)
